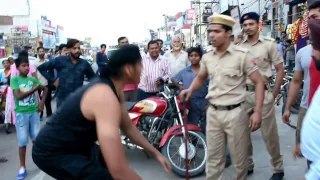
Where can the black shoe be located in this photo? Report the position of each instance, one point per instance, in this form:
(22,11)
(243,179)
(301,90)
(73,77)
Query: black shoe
(228,163)
(277,176)
(8,132)
(250,171)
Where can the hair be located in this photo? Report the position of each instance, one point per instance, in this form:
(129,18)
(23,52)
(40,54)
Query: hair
(129,54)
(5,60)
(226,28)
(72,42)
(38,49)
(160,40)
(277,39)
(62,46)
(56,51)
(289,41)
(103,46)
(176,37)
(22,58)
(314,5)
(196,50)
(121,38)
(152,42)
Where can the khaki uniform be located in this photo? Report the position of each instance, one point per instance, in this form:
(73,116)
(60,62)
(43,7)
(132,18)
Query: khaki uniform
(265,53)
(227,118)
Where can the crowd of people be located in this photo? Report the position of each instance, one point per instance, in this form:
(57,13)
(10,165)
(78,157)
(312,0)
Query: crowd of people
(230,83)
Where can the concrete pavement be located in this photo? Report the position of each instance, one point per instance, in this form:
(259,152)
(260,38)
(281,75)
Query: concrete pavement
(150,169)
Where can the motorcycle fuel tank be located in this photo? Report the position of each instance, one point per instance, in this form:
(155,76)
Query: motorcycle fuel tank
(153,106)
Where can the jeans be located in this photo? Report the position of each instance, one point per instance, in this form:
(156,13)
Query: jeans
(27,125)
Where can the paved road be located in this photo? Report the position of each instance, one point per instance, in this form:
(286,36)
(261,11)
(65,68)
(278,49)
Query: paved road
(150,169)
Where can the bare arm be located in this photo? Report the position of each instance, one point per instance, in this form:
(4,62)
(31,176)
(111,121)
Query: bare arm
(108,119)
(256,78)
(294,88)
(279,79)
(44,94)
(297,80)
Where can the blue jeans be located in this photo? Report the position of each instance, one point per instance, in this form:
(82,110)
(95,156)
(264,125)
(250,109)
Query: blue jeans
(27,125)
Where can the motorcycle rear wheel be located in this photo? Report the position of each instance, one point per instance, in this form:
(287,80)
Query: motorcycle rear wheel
(181,171)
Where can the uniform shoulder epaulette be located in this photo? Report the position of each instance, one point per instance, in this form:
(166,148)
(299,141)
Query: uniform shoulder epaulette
(269,39)
(241,49)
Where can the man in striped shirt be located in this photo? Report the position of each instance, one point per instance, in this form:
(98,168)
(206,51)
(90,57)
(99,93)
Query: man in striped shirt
(155,68)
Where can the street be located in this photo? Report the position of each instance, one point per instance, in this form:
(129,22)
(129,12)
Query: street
(150,169)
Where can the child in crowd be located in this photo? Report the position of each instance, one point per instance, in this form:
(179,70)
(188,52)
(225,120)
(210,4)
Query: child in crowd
(197,99)
(26,108)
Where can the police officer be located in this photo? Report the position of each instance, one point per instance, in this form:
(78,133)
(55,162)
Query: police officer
(228,67)
(265,54)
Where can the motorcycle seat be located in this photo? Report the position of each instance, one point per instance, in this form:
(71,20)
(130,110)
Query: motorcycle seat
(130,105)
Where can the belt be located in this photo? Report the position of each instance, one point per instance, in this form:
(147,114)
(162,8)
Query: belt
(230,107)
(252,88)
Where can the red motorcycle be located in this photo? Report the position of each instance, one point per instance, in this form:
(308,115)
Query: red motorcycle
(159,119)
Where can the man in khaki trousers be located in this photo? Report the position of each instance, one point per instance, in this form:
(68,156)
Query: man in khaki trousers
(266,54)
(228,67)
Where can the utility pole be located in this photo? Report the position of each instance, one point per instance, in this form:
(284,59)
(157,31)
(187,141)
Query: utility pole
(259,7)
(166,24)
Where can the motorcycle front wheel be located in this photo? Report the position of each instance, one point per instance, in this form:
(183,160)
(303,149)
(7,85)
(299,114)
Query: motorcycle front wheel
(174,151)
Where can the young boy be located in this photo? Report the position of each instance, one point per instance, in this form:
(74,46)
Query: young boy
(26,108)
(185,78)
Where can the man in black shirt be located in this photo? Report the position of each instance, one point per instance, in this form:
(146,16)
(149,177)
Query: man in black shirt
(71,71)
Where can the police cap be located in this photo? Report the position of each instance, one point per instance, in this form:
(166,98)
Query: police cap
(250,15)
(221,19)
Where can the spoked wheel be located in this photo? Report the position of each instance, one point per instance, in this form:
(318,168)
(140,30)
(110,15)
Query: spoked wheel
(174,151)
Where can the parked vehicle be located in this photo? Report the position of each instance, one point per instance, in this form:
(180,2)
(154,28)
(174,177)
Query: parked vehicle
(159,119)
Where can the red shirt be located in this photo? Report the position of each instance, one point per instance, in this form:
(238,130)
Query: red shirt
(314,80)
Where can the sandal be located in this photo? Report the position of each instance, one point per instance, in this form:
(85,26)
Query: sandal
(3,160)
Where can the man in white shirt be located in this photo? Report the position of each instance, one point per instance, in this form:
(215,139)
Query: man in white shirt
(41,59)
(310,141)
(178,59)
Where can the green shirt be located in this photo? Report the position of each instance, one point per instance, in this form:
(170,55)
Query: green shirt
(25,84)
